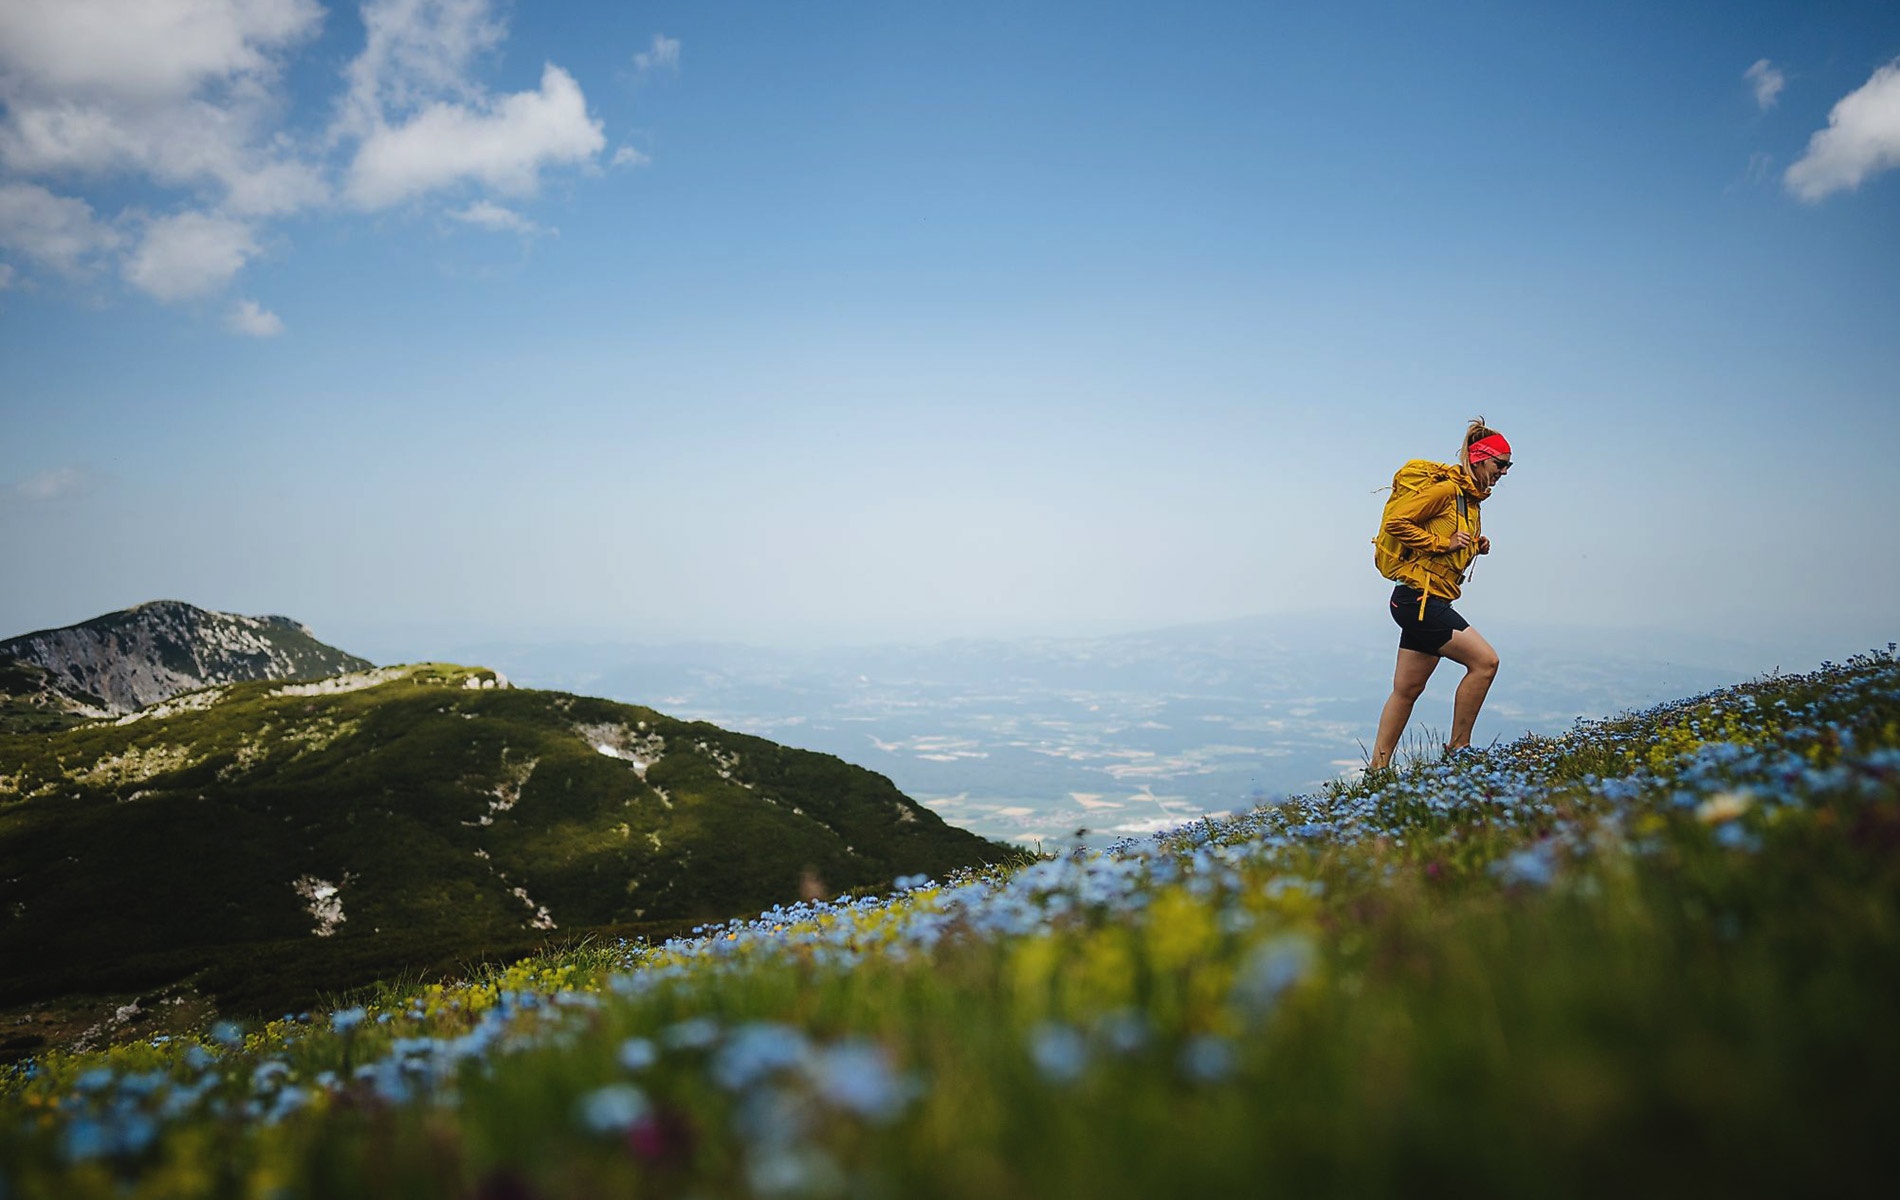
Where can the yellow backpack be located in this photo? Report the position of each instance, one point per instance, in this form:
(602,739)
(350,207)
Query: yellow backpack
(1389,554)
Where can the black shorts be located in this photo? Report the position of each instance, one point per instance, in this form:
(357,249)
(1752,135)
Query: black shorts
(1429,635)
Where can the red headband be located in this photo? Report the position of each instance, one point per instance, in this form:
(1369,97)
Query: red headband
(1493,446)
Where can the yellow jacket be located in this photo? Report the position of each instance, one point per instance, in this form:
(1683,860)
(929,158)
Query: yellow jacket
(1424,522)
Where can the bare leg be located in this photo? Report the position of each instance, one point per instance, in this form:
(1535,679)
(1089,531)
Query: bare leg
(1468,648)
(1408,684)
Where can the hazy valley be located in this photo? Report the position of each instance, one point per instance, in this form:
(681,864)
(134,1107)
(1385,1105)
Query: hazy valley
(1031,740)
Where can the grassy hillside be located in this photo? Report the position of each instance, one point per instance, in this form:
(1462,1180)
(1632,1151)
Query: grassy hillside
(1656,956)
(285,836)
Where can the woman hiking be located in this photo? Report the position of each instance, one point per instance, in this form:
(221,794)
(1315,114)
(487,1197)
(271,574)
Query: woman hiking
(1427,540)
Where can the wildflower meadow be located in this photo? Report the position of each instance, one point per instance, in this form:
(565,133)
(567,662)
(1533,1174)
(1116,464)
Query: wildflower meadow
(1659,954)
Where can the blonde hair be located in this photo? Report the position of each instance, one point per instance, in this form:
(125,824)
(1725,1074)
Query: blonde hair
(1475,431)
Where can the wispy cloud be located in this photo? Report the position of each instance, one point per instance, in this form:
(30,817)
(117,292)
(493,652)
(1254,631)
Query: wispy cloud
(50,485)
(1862,139)
(415,53)
(1767,80)
(59,232)
(252,319)
(486,214)
(627,156)
(663,54)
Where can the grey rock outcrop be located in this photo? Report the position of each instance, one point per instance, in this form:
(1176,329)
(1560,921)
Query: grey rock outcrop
(141,655)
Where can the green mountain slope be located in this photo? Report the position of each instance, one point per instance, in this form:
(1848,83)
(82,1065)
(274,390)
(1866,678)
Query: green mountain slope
(342,829)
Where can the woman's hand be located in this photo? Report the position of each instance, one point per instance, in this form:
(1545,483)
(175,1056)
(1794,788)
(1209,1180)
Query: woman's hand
(1459,541)
(1484,544)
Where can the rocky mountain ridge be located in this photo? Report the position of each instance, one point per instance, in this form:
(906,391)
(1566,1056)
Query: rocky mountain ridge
(123,661)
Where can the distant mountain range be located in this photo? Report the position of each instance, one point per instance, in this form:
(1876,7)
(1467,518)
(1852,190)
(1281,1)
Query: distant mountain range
(272,837)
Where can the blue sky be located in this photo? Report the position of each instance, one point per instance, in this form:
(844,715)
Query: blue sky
(430,320)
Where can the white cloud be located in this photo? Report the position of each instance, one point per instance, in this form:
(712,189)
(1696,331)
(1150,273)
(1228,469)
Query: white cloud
(662,55)
(183,91)
(6,277)
(253,320)
(57,231)
(211,147)
(1767,80)
(145,49)
(189,254)
(502,143)
(47,138)
(489,215)
(51,485)
(1862,138)
(627,156)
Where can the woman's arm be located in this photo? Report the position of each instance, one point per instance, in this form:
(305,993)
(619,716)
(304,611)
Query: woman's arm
(1408,516)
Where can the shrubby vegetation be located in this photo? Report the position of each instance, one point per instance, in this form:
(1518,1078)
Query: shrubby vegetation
(1656,955)
(442,817)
